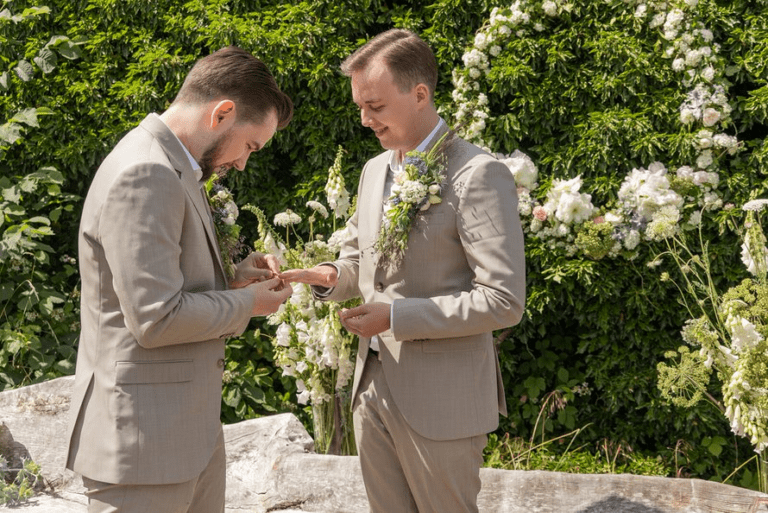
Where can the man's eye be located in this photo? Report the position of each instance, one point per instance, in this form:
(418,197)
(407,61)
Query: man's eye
(377,109)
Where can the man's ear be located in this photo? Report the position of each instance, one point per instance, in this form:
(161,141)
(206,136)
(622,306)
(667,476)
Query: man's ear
(223,112)
(423,98)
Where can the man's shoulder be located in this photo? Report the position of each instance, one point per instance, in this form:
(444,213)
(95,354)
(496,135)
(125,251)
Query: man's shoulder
(463,153)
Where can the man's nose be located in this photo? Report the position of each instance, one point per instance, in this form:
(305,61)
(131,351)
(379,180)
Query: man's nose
(365,118)
(242,161)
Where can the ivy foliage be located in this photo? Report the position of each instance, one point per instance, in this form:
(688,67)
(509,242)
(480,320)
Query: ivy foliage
(590,95)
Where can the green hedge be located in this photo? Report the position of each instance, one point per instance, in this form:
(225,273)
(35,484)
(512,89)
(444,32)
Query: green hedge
(589,95)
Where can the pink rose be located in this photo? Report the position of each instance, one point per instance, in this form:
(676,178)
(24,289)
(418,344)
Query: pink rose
(539,213)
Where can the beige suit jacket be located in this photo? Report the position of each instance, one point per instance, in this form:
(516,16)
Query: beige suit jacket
(462,277)
(146,402)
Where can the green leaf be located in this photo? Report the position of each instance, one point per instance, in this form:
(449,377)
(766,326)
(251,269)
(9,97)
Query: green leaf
(69,50)
(27,116)
(10,133)
(35,11)
(232,397)
(46,60)
(24,70)
(4,77)
(65,367)
(534,386)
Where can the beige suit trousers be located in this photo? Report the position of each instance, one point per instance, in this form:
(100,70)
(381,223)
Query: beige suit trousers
(203,494)
(402,470)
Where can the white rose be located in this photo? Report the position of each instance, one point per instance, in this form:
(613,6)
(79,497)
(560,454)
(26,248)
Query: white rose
(710,116)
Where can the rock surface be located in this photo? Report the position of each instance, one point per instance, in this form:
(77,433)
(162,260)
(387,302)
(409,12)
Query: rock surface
(271,467)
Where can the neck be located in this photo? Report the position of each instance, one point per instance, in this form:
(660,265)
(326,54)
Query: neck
(425,126)
(181,121)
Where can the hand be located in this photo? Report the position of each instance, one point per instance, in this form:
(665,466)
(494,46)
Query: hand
(321,275)
(366,320)
(270,294)
(254,268)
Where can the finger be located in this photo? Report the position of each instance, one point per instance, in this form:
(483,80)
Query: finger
(272,263)
(255,274)
(349,313)
(291,274)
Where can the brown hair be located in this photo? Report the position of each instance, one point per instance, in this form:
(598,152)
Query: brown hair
(239,76)
(408,57)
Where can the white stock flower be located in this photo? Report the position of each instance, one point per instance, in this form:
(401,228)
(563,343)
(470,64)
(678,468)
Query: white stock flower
(752,251)
(549,7)
(695,219)
(412,191)
(705,159)
(283,335)
(687,116)
(685,172)
(646,191)
(632,240)
(304,397)
(704,139)
(481,41)
(744,334)
(726,141)
(692,58)
(658,20)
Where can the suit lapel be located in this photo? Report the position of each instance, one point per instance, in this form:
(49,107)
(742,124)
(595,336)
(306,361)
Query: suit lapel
(179,160)
(379,171)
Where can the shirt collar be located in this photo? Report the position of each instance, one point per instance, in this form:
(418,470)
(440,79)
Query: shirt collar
(195,166)
(397,166)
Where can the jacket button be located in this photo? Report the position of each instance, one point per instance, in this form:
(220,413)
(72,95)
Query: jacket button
(379,287)
(220,363)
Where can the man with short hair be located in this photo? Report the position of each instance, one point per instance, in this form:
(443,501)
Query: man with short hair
(156,302)
(427,385)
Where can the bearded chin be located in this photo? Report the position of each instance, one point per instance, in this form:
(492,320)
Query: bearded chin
(210,156)
(206,164)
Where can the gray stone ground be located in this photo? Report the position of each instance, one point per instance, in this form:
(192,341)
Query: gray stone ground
(271,468)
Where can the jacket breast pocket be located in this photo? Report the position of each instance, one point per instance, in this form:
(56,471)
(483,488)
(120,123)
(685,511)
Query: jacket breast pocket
(146,373)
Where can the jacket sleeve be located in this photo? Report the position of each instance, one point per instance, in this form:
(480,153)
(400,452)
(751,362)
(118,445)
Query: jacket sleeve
(141,223)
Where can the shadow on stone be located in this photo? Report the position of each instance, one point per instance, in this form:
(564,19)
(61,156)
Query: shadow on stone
(14,452)
(613,504)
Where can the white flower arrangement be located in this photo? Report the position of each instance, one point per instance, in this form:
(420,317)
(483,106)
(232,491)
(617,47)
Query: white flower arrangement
(310,345)
(651,210)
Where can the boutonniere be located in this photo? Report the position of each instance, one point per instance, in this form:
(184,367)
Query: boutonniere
(416,188)
(225,213)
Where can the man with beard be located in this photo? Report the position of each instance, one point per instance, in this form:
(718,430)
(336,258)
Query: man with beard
(156,303)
